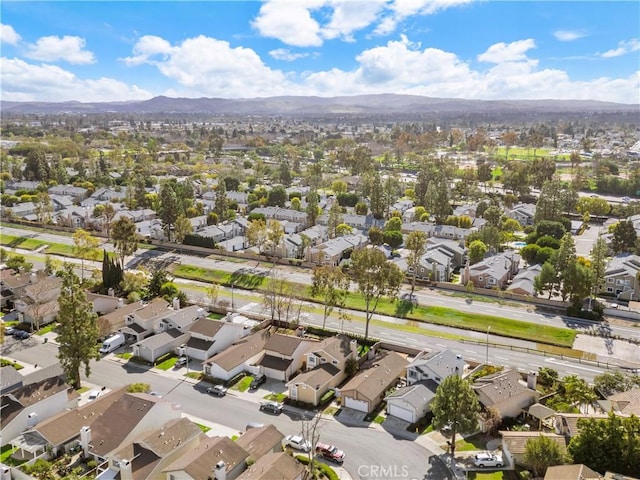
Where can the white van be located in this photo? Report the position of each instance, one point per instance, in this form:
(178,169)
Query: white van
(112,343)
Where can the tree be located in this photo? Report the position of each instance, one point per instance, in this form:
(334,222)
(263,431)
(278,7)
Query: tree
(335,218)
(257,234)
(509,139)
(275,233)
(624,237)
(182,228)
(169,207)
(565,265)
(394,224)
(609,383)
(546,279)
(85,246)
(455,404)
(540,453)
(376,236)
(491,419)
(339,186)
(296,204)
(343,229)
(212,293)
(577,391)
(312,208)
(608,444)
(392,238)
(477,251)
(375,278)
(417,246)
(78,331)
(277,196)
(109,212)
(377,200)
(158,278)
(124,238)
(18,263)
(44,208)
(222,204)
(330,284)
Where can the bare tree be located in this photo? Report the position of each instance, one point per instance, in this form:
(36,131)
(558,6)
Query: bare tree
(310,431)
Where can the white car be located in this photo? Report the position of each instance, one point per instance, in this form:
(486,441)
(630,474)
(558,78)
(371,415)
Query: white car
(296,442)
(181,361)
(483,460)
(93,394)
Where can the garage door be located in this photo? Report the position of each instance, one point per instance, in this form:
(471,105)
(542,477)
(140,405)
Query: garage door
(401,413)
(356,404)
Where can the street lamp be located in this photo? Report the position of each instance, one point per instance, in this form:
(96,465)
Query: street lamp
(487,357)
(233,305)
(186,354)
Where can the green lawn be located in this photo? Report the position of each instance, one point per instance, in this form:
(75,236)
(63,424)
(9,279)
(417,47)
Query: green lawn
(167,364)
(124,356)
(215,316)
(46,329)
(204,428)
(499,475)
(25,243)
(477,442)
(5,453)
(276,397)
(243,385)
(10,363)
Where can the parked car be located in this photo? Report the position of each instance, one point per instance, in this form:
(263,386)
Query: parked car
(181,361)
(330,452)
(271,407)
(94,394)
(483,460)
(21,334)
(9,330)
(257,381)
(296,442)
(217,390)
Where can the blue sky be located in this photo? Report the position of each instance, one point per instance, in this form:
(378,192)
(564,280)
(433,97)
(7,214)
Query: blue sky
(117,50)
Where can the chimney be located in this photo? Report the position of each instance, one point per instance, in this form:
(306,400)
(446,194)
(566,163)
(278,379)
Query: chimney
(532,380)
(32,419)
(5,472)
(85,438)
(33,278)
(125,470)
(120,303)
(176,303)
(220,471)
(111,292)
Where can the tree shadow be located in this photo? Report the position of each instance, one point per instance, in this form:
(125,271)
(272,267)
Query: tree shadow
(245,278)
(404,308)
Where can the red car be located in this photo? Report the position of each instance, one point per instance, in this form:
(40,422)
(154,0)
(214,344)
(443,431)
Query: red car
(330,452)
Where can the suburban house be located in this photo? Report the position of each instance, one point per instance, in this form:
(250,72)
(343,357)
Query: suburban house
(260,441)
(10,379)
(523,282)
(204,461)
(282,214)
(78,193)
(75,217)
(492,272)
(26,406)
(61,433)
(571,472)
(284,355)
(425,372)
(10,283)
(114,321)
(325,366)
(103,304)
(280,465)
(366,389)
(453,249)
(208,337)
(173,332)
(148,455)
(238,357)
(623,403)
(435,365)
(514,445)
(566,424)
(620,277)
(124,421)
(37,302)
(332,251)
(506,392)
(523,213)
(439,231)
(141,322)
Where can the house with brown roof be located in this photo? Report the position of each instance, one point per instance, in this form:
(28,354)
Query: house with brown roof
(202,461)
(283,356)
(567,424)
(37,302)
(61,433)
(24,407)
(492,272)
(275,466)
(623,403)
(571,472)
(367,388)
(435,365)
(146,457)
(123,421)
(114,321)
(238,357)
(141,322)
(260,441)
(325,369)
(10,283)
(514,445)
(208,337)
(506,392)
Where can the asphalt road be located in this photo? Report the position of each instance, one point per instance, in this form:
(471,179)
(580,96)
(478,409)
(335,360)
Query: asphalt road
(425,296)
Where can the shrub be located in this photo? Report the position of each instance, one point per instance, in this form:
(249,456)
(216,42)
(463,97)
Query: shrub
(327,397)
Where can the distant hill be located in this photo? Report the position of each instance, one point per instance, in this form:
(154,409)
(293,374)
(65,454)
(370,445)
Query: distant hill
(361,105)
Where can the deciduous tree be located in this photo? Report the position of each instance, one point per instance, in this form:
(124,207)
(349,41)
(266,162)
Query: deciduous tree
(455,404)
(78,331)
(124,238)
(86,247)
(417,246)
(540,453)
(330,284)
(375,278)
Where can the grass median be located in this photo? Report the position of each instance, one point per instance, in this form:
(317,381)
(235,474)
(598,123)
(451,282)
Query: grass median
(502,326)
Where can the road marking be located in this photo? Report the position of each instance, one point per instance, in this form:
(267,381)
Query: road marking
(440,345)
(471,351)
(502,358)
(570,365)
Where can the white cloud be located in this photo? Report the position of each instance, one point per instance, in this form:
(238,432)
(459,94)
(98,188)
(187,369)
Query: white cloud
(507,52)
(52,49)
(349,16)
(568,35)
(286,55)
(290,21)
(205,66)
(401,9)
(22,81)
(8,34)
(624,47)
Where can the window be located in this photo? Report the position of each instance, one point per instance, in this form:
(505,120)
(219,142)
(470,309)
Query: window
(610,280)
(491,281)
(412,373)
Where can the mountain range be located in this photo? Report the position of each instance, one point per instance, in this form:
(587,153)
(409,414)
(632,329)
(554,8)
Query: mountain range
(361,105)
